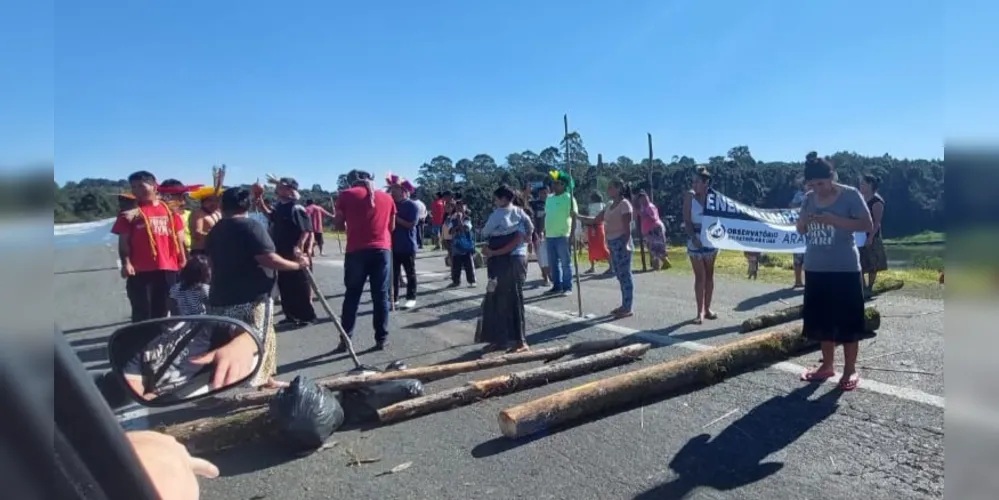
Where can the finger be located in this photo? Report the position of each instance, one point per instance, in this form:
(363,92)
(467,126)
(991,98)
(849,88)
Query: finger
(205,359)
(218,378)
(203,468)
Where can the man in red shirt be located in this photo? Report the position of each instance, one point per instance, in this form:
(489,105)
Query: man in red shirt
(151,248)
(368,215)
(437,216)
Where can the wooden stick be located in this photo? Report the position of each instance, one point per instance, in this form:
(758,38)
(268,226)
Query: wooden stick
(706,367)
(512,382)
(794,313)
(436,372)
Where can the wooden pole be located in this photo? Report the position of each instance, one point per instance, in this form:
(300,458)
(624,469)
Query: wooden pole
(509,383)
(437,372)
(651,158)
(794,313)
(572,198)
(707,367)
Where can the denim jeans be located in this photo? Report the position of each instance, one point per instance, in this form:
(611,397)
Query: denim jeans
(560,262)
(358,268)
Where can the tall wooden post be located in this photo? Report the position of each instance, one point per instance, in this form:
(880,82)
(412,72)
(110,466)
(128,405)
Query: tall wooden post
(572,198)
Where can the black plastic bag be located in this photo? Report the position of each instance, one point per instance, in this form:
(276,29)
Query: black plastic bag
(306,414)
(362,404)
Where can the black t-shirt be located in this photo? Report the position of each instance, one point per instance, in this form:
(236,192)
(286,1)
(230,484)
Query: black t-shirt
(232,247)
(288,221)
(538,210)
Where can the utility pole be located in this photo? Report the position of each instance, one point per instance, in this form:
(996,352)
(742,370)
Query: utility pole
(572,199)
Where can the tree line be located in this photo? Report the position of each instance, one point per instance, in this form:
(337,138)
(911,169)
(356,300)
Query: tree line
(913,188)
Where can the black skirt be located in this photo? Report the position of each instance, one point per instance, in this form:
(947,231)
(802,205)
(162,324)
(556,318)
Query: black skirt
(834,307)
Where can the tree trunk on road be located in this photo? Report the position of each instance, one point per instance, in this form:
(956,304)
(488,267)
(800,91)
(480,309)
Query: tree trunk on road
(706,367)
(513,382)
(435,372)
(794,313)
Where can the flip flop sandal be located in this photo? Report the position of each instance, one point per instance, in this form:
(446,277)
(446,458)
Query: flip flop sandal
(850,384)
(817,376)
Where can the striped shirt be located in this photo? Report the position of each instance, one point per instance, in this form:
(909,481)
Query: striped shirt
(190,302)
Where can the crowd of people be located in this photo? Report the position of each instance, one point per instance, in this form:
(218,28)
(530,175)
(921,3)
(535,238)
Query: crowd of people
(232,250)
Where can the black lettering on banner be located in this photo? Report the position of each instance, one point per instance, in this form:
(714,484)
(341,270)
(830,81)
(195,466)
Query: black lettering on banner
(719,205)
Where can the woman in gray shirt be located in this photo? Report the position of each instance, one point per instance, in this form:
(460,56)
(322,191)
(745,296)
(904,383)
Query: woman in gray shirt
(834,290)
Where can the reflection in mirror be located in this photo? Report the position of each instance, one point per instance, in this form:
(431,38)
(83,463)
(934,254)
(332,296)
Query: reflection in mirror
(168,361)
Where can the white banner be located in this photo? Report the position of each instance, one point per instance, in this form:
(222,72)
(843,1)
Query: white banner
(730,225)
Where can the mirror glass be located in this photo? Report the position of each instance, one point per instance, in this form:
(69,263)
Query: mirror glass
(163,362)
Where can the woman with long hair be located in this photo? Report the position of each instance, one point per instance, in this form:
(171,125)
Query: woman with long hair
(508,230)
(833,310)
(653,230)
(873,258)
(702,257)
(596,239)
(617,218)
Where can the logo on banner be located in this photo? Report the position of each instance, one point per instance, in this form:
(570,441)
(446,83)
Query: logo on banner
(716,231)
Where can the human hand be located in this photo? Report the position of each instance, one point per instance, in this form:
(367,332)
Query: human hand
(172,471)
(233,361)
(825,218)
(696,240)
(127,269)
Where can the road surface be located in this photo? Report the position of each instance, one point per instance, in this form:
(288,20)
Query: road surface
(760,435)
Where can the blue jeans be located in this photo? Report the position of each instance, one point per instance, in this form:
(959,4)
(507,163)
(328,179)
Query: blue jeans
(620,256)
(560,262)
(358,268)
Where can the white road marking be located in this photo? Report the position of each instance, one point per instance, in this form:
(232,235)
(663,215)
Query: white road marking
(906,393)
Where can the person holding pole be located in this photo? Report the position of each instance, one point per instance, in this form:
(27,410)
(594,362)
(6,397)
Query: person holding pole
(561,213)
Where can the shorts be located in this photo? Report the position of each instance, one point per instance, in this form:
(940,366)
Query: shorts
(436,229)
(705,252)
(799,259)
(541,251)
(319,238)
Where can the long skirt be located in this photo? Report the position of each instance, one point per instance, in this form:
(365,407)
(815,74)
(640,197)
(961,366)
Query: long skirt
(873,257)
(259,315)
(596,242)
(656,240)
(834,307)
(502,321)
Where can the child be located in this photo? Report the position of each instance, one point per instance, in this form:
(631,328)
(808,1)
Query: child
(506,221)
(753,261)
(462,245)
(189,296)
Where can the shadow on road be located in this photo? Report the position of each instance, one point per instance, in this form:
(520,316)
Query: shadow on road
(762,300)
(735,457)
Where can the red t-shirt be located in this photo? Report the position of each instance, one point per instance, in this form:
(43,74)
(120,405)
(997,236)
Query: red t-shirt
(437,212)
(367,226)
(132,223)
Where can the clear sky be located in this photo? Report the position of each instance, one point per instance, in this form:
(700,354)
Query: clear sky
(313,88)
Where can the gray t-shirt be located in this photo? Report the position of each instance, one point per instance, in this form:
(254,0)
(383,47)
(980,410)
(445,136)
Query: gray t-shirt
(830,249)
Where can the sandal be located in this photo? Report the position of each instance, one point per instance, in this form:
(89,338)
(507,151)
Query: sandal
(815,375)
(850,383)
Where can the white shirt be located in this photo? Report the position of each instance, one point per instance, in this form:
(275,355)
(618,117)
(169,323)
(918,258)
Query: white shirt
(422,209)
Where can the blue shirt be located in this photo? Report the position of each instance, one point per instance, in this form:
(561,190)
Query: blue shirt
(521,249)
(404,239)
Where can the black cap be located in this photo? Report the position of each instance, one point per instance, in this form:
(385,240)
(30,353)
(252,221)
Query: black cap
(288,182)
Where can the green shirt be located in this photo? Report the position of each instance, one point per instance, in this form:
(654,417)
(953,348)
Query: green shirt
(558,215)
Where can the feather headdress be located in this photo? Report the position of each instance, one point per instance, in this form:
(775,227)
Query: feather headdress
(395,180)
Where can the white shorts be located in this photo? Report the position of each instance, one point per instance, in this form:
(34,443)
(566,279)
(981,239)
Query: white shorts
(541,250)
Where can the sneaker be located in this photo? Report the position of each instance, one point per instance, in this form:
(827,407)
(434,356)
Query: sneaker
(554,290)
(340,349)
(471,285)
(380,345)
(454,285)
(409,304)
(566,293)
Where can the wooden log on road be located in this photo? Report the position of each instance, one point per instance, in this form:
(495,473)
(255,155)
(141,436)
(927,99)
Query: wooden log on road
(706,367)
(436,372)
(794,313)
(217,433)
(512,382)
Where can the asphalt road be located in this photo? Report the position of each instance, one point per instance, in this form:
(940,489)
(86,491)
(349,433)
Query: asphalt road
(760,435)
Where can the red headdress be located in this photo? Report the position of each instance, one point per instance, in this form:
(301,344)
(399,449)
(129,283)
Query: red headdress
(394,180)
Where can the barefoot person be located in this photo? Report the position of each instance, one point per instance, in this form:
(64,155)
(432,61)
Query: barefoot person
(702,257)
(368,216)
(151,249)
(617,218)
(834,295)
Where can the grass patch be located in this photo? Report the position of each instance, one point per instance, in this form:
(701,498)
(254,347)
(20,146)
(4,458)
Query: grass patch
(923,238)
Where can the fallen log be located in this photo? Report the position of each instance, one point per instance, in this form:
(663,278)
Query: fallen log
(512,382)
(705,368)
(794,313)
(434,372)
(217,433)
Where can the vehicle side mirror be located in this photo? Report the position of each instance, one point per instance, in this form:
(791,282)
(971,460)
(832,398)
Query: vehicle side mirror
(168,361)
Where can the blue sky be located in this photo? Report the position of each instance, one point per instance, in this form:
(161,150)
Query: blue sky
(315,88)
